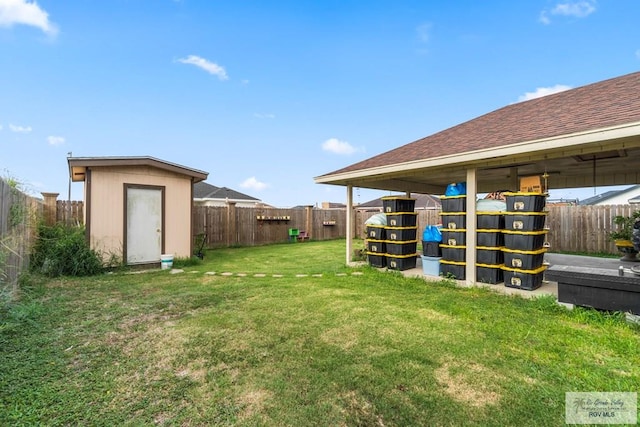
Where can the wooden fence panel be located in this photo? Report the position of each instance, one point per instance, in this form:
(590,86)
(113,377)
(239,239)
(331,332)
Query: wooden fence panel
(70,212)
(583,228)
(19,214)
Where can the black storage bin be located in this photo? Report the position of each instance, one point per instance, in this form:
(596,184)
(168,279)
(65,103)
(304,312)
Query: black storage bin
(454,253)
(453,269)
(401,262)
(376,232)
(524,240)
(525,202)
(401,233)
(401,248)
(453,203)
(490,220)
(402,219)
(431,249)
(398,204)
(377,246)
(525,260)
(454,237)
(489,273)
(489,255)
(524,221)
(491,238)
(377,260)
(523,279)
(453,221)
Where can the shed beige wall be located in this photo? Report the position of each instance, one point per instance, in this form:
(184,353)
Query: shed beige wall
(107,213)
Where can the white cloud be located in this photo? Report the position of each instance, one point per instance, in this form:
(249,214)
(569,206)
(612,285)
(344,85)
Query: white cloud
(577,9)
(637,56)
(334,145)
(264,116)
(0,127)
(253,184)
(26,13)
(424,32)
(544,18)
(55,140)
(543,91)
(19,129)
(208,66)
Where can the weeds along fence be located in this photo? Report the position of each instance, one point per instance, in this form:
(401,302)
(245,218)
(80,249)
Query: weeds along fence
(19,214)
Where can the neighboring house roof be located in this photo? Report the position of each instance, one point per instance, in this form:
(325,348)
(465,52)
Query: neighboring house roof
(423,201)
(79,165)
(562,133)
(203,190)
(600,199)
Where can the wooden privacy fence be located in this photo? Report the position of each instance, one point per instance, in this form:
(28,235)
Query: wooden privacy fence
(571,228)
(19,214)
(584,228)
(234,226)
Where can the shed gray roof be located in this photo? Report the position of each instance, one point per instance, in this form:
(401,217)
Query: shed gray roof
(79,165)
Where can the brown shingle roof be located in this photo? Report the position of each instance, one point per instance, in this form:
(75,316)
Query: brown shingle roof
(599,105)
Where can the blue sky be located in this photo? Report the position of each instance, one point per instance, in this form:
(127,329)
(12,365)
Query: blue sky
(266,95)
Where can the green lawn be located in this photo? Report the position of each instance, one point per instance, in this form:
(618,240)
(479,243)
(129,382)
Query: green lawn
(322,345)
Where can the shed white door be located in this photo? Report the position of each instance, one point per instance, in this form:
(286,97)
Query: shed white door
(144,225)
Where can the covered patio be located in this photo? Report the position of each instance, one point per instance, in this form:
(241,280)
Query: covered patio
(584,137)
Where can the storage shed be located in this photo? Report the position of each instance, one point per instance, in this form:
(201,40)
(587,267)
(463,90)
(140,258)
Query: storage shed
(137,208)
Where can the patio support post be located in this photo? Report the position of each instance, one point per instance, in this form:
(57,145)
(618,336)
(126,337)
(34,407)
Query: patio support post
(472,189)
(513,172)
(349,223)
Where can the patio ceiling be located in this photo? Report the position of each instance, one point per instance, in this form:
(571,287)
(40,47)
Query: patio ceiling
(584,137)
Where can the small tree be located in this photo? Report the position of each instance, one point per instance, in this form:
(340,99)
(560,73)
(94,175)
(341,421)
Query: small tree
(624,225)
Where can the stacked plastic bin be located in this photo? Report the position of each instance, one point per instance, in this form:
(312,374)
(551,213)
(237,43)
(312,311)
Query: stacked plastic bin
(524,237)
(376,245)
(454,236)
(401,232)
(431,251)
(489,247)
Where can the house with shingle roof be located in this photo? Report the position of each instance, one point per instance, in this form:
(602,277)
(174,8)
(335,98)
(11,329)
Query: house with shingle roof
(588,136)
(205,194)
(626,196)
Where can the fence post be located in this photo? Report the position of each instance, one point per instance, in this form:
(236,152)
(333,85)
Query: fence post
(50,208)
(309,221)
(231,224)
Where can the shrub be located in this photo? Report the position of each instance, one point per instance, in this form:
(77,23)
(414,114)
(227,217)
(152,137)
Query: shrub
(64,251)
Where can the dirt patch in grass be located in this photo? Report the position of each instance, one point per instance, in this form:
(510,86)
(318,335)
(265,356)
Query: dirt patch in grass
(345,337)
(253,403)
(469,383)
(434,315)
(359,411)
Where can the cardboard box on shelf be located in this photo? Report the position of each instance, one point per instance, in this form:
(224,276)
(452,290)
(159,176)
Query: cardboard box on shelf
(532,184)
